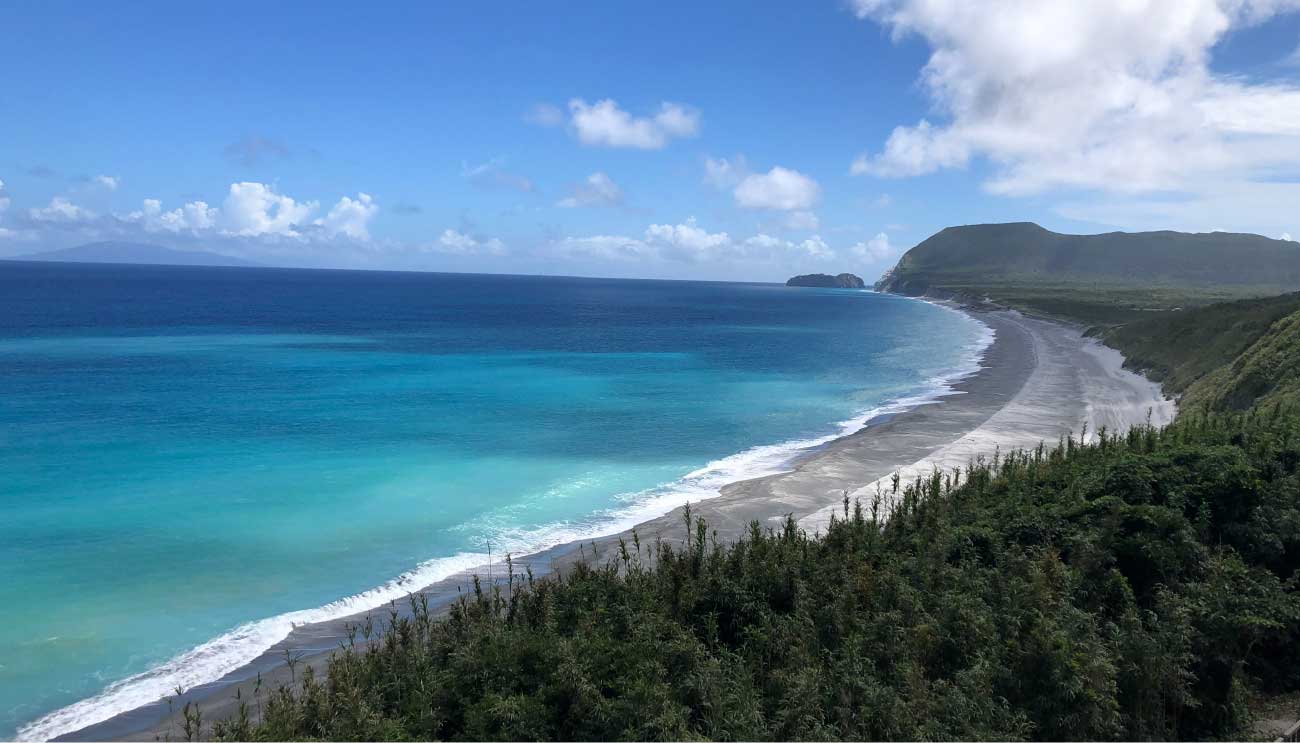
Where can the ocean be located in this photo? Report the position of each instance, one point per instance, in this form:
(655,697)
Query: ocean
(193,459)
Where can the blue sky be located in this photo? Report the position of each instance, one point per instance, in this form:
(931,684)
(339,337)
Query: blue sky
(679,140)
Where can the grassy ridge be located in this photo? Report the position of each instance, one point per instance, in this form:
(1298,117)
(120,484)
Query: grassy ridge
(1180,348)
(1138,588)
(1099,279)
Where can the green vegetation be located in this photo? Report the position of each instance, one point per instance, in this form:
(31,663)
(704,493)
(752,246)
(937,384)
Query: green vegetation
(1098,279)
(1137,588)
(1227,356)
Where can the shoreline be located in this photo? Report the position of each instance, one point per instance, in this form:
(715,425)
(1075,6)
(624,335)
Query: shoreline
(1025,388)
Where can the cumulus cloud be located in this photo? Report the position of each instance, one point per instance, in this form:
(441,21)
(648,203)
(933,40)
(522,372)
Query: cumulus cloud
(252,209)
(459,243)
(109,182)
(1111,95)
(493,174)
(60,209)
(1285,236)
(815,247)
(604,124)
(780,188)
(195,216)
(597,190)
(351,217)
(875,249)
(688,242)
(257,210)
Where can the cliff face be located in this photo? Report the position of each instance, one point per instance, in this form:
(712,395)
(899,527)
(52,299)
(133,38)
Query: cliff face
(826,281)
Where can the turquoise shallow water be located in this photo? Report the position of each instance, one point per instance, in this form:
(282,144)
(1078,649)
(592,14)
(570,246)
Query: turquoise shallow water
(190,456)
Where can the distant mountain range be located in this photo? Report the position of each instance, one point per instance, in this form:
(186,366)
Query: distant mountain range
(137,253)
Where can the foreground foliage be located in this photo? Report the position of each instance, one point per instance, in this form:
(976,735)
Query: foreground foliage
(1134,588)
(1228,356)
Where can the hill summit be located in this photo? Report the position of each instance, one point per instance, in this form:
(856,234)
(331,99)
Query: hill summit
(1103,278)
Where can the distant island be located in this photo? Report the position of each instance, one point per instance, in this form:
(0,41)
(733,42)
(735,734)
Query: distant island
(826,281)
(134,253)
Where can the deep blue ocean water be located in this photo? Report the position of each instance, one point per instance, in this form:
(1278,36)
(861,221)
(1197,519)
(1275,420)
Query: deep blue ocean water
(193,458)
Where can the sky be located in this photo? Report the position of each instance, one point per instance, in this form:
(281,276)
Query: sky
(722,140)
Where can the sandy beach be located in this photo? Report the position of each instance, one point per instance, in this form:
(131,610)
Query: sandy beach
(1040,380)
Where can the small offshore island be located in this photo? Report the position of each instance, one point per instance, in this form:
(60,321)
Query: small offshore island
(826,281)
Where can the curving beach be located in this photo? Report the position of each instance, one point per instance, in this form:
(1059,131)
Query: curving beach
(1039,380)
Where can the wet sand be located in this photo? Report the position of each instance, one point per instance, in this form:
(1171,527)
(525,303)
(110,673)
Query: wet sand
(1039,381)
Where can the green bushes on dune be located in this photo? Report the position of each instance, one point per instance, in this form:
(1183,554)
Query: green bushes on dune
(1134,588)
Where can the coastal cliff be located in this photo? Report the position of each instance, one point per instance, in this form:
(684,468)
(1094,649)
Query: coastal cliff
(826,281)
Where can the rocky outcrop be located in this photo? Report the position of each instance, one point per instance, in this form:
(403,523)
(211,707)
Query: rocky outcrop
(826,281)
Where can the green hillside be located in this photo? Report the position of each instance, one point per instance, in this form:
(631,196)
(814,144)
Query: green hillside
(1179,348)
(1110,278)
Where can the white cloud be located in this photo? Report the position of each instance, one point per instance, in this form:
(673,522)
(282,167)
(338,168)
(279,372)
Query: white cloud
(1112,95)
(802,221)
(723,173)
(256,209)
(598,190)
(60,210)
(779,188)
(690,243)
(875,249)
(817,248)
(604,124)
(687,240)
(351,217)
(1285,236)
(110,182)
(459,243)
(195,216)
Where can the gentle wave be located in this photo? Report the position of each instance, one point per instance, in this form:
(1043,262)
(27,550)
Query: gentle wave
(241,646)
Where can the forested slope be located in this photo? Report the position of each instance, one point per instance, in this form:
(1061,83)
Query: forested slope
(1138,588)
